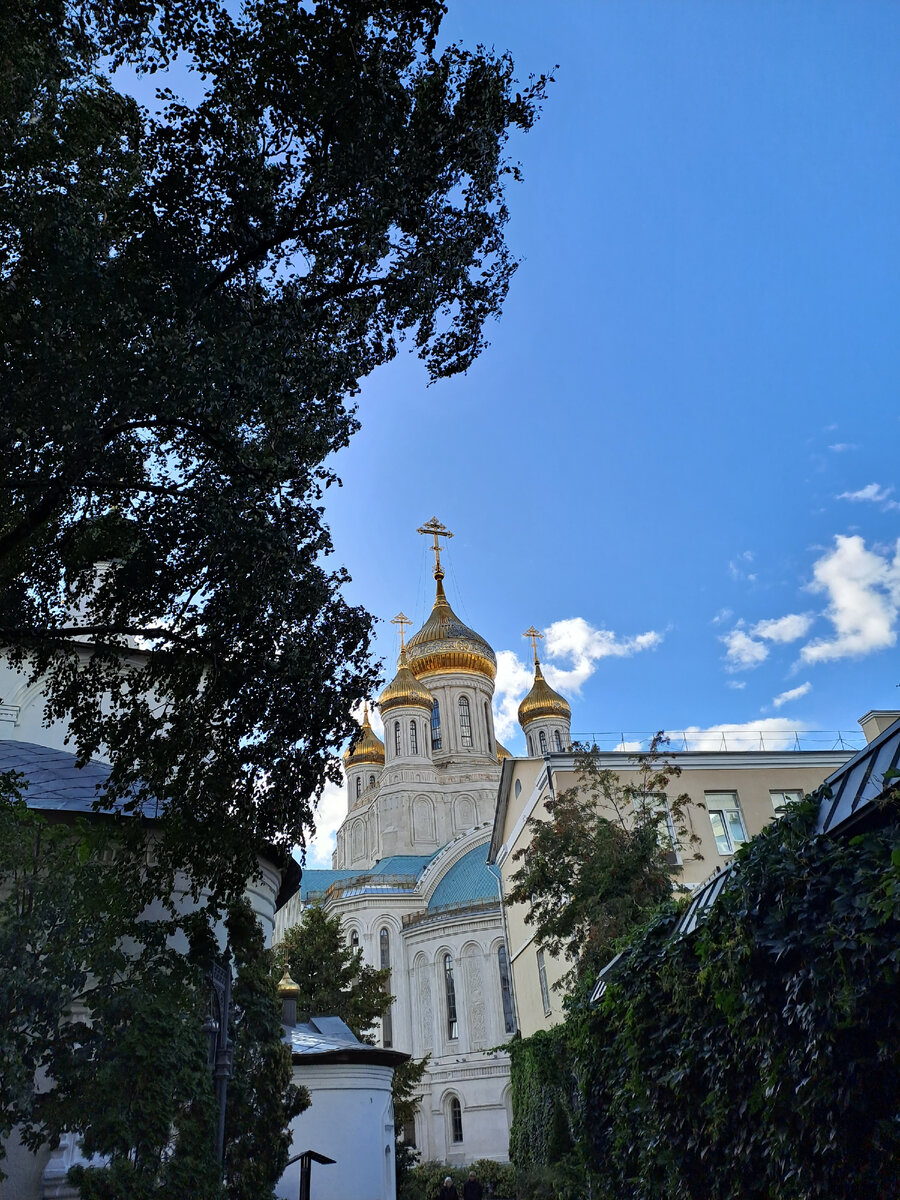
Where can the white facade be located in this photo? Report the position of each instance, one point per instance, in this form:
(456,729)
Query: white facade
(412,884)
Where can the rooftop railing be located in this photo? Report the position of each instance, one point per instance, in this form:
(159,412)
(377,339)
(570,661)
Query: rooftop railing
(728,739)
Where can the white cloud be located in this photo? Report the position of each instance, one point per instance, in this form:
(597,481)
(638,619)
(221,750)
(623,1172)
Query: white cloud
(583,645)
(875,494)
(842,447)
(737,684)
(783,629)
(792,694)
(863,589)
(737,567)
(742,653)
(330,812)
(575,642)
(512,683)
(632,746)
(770,733)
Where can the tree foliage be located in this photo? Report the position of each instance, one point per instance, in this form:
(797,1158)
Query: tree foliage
(190,294)
(604,858)
(332,977)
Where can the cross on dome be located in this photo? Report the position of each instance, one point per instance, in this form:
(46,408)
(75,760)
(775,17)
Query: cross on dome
(401,619)
(436,530)
(533,634)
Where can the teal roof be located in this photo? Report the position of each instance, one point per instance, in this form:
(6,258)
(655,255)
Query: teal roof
(398,866)
(469,881)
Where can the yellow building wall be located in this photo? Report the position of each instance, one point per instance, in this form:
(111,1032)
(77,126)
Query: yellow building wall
(753,776)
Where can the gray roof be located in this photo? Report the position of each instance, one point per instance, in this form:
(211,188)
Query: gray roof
(329,1039)
(55,781)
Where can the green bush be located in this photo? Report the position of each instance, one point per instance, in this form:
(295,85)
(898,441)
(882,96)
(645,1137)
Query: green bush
(424,1181)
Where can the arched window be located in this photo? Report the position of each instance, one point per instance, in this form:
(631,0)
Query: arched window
(487,728)
(543,740)
(518,788)
(358,784)
(354,939)
(509,1016)
(557,739)
(371,781)
(413,738)
(436,726)
(384,949)
(530,747)
(456,1130)
(450,991)
(397,738)
(465,721)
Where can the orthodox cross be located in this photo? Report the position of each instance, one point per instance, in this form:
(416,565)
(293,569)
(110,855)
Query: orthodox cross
(437,530)
(401,620)
(534,634)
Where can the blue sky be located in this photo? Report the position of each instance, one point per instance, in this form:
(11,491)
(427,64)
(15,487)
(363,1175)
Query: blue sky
(677,455)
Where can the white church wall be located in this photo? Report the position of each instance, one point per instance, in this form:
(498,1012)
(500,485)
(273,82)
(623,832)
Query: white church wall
(351,1120)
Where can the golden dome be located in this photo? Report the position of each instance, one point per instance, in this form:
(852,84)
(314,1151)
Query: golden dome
(445,644)
(405,690)
(366,747)
(502,752)
(542,701)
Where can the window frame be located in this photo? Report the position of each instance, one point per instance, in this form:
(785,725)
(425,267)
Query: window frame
(413,737)
(465,722)
(436,726)
(788,796)
(506,998)
(542,980)
(450,998)
(456,1121)
(716,804)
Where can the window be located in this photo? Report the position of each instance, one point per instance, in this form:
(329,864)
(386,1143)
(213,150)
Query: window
(518,788)
(652,807)
(358,784)
(543,740)
(530,747)
(487,728)
(450,991)
(558,740)
(465,722)
(387,1024)
(436,726)
(409,1132)
(456,1132)
(726,820)
(354,939)
(542,976)
(413,738)
(780,799)
(371,781)
(509,1016)
(397,738)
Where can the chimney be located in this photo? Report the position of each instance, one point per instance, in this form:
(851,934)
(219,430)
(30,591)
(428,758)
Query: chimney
(877,721)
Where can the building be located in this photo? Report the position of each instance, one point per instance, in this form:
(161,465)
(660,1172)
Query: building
(412,883)
(732,795)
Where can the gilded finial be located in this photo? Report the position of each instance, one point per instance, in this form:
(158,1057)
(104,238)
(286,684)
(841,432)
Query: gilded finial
(401,620)
(533,634)
(436,530)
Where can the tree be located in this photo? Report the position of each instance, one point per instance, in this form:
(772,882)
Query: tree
(331,975)
(190,295)
(605,858)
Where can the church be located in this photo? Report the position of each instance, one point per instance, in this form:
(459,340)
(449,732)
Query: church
(411,880)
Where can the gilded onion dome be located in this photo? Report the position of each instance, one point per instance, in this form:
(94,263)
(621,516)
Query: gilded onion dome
(542,701)
(404,690)
(444,643)
(502,753)
(366,747)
